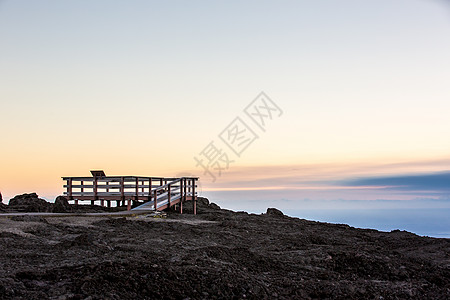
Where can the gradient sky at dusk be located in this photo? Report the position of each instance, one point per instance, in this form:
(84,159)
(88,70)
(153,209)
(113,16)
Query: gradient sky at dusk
(141,87)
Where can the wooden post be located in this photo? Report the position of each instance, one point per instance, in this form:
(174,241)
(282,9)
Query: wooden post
(194,199)
(69,188)
(150,189)
(117,203)
(185,188)
(155,200)
(137,188)
(129,204)
(82,187)
(95,188)
(168,196)
(165,182)
(122,189)
(181,196)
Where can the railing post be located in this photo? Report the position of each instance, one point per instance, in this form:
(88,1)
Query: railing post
(137,188)
(150,187)
(122,189)
(185,188)
(181,195)
(93,199)
(194,199)
(69,188)
(168,195)
(155,200)
(95,189)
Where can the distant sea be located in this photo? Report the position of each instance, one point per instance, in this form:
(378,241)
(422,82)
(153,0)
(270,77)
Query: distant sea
(434,222)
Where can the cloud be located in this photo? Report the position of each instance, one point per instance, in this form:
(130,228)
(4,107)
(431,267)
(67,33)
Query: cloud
(438,182)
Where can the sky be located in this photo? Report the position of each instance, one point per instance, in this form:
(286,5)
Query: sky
(354,107)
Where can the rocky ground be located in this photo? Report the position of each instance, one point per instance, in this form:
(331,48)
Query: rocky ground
(217,254)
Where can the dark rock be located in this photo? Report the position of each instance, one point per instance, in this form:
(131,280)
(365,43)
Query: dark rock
(274,212)
(29,203)
(214,206)
(203,202)
(3,207)
(61,205)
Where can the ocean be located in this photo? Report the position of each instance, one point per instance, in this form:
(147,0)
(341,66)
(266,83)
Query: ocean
(432,222)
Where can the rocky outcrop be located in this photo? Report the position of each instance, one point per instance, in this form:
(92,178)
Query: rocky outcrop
(61,205)
(274,212)
(29,203)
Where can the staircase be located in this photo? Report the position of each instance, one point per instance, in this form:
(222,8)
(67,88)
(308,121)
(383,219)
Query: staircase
(167,195)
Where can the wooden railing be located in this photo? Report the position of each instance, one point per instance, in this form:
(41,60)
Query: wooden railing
(161,192)
(174,192)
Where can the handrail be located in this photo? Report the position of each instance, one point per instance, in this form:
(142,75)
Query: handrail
(157,192)
(166,185)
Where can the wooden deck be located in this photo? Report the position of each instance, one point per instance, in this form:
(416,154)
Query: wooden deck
(153,193)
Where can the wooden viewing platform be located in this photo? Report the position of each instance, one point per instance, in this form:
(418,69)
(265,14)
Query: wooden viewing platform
(157,193)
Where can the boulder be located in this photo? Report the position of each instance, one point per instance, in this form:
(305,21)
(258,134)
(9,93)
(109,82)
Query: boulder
(214,206)
(274,212)
(29,203)
(202,201)
(61,205)
(3,207)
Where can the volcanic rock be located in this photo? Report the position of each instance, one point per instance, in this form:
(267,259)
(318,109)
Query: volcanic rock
(214,206)
(274,212)
(29,203)
(61,205)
